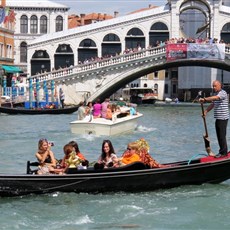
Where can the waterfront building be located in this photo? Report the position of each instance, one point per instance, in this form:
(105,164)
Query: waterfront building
(33,19)
(7,25)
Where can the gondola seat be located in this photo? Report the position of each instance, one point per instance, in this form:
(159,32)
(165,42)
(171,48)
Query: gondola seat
(134,166)
(31,164)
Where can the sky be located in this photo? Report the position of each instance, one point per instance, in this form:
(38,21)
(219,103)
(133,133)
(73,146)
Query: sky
(123,7)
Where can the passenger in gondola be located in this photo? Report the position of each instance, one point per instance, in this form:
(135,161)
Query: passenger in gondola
(70,159)
(130,155)
(108,158)
(45,157)
(139,151)
(85,162)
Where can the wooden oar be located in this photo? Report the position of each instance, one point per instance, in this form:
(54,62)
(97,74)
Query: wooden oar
(206,137)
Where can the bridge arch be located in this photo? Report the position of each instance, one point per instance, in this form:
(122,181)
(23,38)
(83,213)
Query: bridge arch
(135,38)
(64,56)
(122,79)
(225,33)
(158,32)
(40,62)
(111,45)
(87,50)
(194,7)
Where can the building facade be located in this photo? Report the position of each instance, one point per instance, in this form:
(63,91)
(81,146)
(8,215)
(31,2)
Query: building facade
(34,19)
(7,25)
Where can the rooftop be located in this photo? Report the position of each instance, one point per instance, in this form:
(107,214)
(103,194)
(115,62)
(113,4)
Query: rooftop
(33,3)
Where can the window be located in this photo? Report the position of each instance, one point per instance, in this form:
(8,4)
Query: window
(156,74)
(9,51)
(135,32)
(174,88)
(87,43)
(1,50)
(59,23)
(166,89)
(43,24)
(23,52)
(111,37)
(24,24)
(33,24)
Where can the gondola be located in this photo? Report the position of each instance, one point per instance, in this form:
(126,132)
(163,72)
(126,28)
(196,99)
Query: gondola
(135,177)
(19,110)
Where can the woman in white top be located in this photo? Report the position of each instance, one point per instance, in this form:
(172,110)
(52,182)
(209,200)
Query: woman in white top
(108,157)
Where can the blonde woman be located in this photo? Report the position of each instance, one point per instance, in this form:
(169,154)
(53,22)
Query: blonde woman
(45,157)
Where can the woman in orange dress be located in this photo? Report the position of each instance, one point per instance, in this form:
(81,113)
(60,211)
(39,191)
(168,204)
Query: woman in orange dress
(139,151)
(130,155)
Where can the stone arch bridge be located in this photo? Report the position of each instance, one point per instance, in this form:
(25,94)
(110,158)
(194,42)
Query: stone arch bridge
(103,78)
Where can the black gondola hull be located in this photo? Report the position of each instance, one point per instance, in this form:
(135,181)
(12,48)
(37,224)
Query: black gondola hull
(114,180)
(17,110)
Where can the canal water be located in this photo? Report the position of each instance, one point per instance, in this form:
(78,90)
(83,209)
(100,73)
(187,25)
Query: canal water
(174,133)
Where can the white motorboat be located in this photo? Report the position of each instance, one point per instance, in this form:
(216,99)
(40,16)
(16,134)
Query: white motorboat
(102,126)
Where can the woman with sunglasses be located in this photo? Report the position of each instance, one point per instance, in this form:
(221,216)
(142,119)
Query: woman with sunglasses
(138,151)
(130,155)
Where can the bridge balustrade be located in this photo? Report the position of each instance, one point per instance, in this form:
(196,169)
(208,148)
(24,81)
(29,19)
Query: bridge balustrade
(48,76)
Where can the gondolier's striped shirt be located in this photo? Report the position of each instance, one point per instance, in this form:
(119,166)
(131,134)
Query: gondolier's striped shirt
(221,110)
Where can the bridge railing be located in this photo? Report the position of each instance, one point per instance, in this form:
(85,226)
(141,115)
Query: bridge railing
(48,76)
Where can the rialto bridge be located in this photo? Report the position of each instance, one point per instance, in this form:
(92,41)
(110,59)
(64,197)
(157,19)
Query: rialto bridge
(95,60)
(105,77)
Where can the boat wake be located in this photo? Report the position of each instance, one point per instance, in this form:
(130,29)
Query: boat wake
(143,129)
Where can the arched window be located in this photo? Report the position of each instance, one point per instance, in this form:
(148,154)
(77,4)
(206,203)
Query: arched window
(159,26)
(225,33)
(135,32)
(158,34)
(111,37)
(59,23)
(23,52)
(135,39)
(87,43)
(24,24)
(43,24)
(33,24)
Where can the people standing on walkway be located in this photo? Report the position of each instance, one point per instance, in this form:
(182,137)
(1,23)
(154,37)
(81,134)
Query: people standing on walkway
(61,97)
(219,101)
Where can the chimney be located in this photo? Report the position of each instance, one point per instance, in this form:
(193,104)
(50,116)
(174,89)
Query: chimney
(82,19)
(115,14)
(150,5)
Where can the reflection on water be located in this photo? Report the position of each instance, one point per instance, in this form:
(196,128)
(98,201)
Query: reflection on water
(173,133)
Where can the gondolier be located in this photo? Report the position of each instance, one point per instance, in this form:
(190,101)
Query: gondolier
(219,102)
